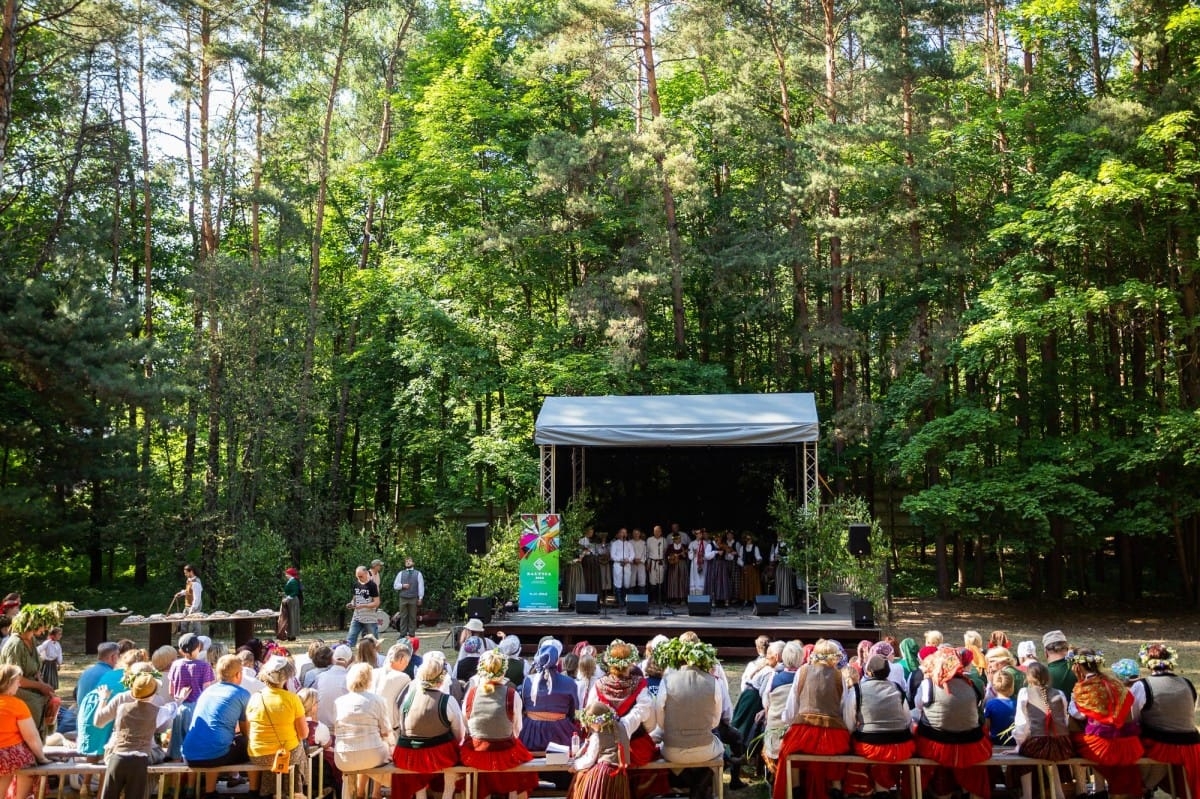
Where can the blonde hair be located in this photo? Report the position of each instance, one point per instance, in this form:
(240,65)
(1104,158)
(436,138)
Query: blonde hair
(216,651)
(1002,683)
(358,678)
(8,673)
(587,666)
(432,668)
(825,653)
(229,667)
(164,656)
(933,638)
(308,697)
(973,638)
(491,668)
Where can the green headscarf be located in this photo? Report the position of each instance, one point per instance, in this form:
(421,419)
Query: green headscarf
(908,656)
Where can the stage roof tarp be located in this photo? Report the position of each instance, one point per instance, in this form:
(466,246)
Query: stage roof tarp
(700,420)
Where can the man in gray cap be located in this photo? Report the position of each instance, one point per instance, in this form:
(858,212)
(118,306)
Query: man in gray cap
(1056,647)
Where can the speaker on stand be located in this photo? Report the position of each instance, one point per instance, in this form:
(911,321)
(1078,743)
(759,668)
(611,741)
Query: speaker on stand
(477,538)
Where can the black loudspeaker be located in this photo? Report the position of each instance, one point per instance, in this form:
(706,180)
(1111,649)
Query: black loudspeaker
(637,604)
(700,605)
(479,607)
(477,538)
(587,604)
(862,613)
(859,542)
(766,605)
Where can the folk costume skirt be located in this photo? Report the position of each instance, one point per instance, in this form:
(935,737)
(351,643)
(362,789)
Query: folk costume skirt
(429,762)
(959,763)
(493,759)
(600,781)
(1115,758)
(811,740)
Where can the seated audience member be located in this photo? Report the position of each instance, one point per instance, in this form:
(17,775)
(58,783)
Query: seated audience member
(550,700)
(392,678)
(1108,712)
(883,726)
(818,727)
(1168,702)
(362,728)
(428,729)
(948,726)
(217,733)
(1040,726)
(689,709)
(492,714)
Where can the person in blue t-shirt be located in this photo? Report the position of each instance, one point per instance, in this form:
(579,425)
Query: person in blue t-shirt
(106,659)
(1000,712)
(217,733)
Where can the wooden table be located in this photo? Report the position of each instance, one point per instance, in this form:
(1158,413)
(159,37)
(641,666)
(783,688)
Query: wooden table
(95,626)
(159,629)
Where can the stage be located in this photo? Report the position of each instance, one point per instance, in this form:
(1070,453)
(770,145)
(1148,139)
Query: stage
(731,630)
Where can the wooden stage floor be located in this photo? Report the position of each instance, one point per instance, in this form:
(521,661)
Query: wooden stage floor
(731,630)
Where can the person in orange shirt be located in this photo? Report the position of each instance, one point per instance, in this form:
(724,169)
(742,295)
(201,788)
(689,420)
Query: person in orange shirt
(20,743)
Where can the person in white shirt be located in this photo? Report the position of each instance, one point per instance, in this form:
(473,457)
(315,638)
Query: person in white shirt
(656,563)
(193,599)
(699,553)
(391,679)
(621,552)
(331,684)
(689,708)
(637,574)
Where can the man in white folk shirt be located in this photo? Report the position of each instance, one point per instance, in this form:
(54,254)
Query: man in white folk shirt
(621,553)
(637,575)
(656,562)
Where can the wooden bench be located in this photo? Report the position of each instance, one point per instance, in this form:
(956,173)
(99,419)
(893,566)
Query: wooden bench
(174,771)
(538,764)
(1001,756)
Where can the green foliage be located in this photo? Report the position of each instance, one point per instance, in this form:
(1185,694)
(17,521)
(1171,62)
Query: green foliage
(496,573)
(578,516)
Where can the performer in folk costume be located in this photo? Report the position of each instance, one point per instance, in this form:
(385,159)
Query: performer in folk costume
(1167,717)
(429,727)
(677,568)
(492,711)
(1040,725)
(749,559)
(1110,734)
(698,558)
(601,768)
(589,562)
(883,726)
(948,727)
(656,563)
(818,726)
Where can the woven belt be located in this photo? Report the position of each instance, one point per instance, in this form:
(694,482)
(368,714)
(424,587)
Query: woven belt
(539,715)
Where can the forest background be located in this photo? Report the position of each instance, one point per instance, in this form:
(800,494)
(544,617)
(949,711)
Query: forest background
(286,282)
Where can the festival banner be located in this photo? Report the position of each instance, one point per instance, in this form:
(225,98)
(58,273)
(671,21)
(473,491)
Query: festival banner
(539,561)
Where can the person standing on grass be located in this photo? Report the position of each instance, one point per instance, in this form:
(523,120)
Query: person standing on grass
(410,591)
(364,601)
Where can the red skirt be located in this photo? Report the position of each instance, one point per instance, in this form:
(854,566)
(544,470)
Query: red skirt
(959,765)
(429,763)
(881,771)
(493,765)
(15,757)
(1115,758)
(809,740)
(1185,755)
(601,781)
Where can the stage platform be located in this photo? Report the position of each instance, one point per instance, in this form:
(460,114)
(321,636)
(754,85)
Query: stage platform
(731,630)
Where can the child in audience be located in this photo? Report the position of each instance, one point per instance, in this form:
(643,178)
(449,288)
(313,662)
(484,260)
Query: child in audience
(1001,710)
(601,768)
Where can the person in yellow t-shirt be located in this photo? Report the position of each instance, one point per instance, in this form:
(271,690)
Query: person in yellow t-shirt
(277,721)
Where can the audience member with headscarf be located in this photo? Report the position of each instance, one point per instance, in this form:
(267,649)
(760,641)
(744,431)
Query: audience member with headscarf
(1109,713)
(550,700)
(819,726)
(948,725)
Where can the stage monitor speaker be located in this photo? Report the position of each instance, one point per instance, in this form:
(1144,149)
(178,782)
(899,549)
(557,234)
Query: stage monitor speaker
(700,605)
(480,607)
(859,542)
(637,604)
(862,613)
(587,604)
(766,605)
(477,538)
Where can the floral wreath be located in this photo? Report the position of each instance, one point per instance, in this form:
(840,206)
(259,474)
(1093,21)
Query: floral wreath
(1158,664)
(677,653)
(613,660)
(130,675)
(602,719)
(1092,659)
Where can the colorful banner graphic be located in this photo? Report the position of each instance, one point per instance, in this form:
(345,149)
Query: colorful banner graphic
(539,560)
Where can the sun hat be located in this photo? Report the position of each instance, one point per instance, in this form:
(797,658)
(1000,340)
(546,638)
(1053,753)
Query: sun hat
(144,686)
(474,624)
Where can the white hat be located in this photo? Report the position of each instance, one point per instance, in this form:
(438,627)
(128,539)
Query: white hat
(1026,649)
(474,624)
(343,653)
(205,643)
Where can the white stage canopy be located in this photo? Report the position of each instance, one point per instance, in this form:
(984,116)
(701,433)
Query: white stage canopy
(701,420)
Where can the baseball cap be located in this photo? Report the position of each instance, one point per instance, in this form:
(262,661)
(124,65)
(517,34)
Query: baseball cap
(343,653)
(189,642)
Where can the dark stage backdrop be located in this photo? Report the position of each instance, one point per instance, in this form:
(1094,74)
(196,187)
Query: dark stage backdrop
(714,487)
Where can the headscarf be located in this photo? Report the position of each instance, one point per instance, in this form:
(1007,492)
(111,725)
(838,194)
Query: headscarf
(1126,669)
(473,646)
(509,646)
(942,666)
(883,649)
(908,656)
(545,666)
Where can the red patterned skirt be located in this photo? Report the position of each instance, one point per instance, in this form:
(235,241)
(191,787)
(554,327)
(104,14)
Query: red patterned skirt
(810,740)
(959,762)
(495,761)
(15,757)
(428,762)
(1186,756)
(1115,758)
(601,781)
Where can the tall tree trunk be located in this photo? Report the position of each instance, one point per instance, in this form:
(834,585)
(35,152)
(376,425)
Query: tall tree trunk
(674,244)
